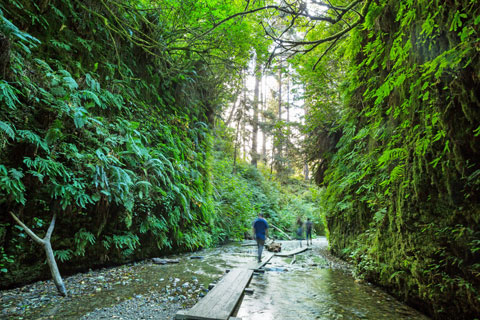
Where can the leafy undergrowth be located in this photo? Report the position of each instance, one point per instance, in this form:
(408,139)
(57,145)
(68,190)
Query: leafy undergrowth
(240,196)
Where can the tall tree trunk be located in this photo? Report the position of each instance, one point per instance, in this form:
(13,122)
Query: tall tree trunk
(236,147)
(243,139)
(279,143)
(306,171)
(287,106)
(47,246)
(279,149)
(264,135)
(288,100)
(244,134)
(273,158)
(258,78)
(239,116)
(234,107)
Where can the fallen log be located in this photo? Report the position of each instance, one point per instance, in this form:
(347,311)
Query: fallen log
(291,253)
(253,244)
(278,229)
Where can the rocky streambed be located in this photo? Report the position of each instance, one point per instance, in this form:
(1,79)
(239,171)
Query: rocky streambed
(142,290)
(314,285)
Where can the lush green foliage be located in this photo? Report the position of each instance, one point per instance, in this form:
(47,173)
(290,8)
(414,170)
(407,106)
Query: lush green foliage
(240,196)
(105,118)
(402,181)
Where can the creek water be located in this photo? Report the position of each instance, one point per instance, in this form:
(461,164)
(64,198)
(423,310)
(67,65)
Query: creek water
(307,287)
(313,288)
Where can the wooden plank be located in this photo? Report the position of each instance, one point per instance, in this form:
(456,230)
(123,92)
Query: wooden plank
(290,253)
(294,259)
(181,315)
(263,263)
(249,245)
(220,302)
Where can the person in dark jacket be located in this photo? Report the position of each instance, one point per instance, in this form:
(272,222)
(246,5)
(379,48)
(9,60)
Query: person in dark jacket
(260,232)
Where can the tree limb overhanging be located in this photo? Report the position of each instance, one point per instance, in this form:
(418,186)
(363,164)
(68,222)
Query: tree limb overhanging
(332,15)
(349,15)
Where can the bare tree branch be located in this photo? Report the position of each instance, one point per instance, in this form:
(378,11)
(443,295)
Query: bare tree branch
(305,46)
(51,227)
(243,13)
(32,234)
(325,52)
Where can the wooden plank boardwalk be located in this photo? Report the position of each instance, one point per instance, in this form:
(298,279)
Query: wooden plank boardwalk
(220,302)
(291,253)
(260,265)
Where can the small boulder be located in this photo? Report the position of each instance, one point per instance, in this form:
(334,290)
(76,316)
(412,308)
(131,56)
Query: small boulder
(164,261)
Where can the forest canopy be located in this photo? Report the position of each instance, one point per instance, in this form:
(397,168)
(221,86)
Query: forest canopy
(131,127)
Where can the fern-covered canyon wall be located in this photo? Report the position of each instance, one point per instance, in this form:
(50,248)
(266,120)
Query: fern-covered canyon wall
(403,184)
(105,119)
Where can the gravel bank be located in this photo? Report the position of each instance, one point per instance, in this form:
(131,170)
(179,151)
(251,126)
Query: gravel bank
(122,292)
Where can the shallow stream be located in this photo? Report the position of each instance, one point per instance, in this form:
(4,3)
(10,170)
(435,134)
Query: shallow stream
(315,288)
(307,287)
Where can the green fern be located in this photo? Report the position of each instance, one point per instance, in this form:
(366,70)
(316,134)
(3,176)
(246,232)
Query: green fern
(125,241)
(9,95)
(82,238)
(9,131)
(63,255)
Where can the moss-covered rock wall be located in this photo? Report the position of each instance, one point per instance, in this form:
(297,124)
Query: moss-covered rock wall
(403,189)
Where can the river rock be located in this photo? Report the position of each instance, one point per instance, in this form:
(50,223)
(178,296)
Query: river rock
(164,261)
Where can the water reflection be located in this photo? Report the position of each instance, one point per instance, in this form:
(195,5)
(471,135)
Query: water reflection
(315,293)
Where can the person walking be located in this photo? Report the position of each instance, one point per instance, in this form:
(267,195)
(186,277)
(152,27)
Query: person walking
(260,232)
(308,230)
(300,230)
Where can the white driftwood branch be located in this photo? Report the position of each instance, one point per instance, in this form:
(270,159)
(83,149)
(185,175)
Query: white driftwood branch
(32,234)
